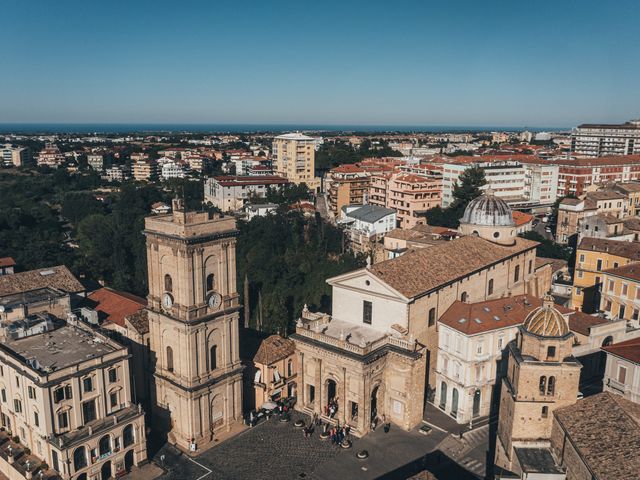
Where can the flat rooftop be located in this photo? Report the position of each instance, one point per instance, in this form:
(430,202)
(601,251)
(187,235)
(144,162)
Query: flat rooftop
(29,297)
(354,333)
(60,348)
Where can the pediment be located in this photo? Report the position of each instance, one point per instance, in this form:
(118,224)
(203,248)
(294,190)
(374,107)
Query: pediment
(364,281)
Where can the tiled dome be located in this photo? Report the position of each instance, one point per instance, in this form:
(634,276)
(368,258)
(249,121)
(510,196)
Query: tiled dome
(546,321)
(488,210)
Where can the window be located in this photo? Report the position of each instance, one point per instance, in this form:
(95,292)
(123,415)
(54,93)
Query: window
(17,406)
(580,273)
(168,283)
(543,384)
(621,311)
(622,374)
(289,368)
(625,289)
(463,297)
(599,264)
(213,357)
(31,392)
(127,436)
(113,375)
(79,458)
(581,257)
(17,381)
(367,312)
(516,273)
(611,284)
(432,317)
(530,267)
(4,395)
(210,282)
(551,386)
(490,287)
(113,399)
(87,384)
(545,412)
(104,446)
(638,293)
(500,343)
(89,411)
(170,359)
(636,314)
(63,420)
(479,348)
(36,419)
(551,352)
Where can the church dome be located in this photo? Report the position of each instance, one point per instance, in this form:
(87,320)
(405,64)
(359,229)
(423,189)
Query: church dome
(546,321)
(488,210)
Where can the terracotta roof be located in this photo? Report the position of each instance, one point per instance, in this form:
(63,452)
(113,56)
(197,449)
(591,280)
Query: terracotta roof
(630,187)
(632,223)
(605,430)
(606,195)
(570,201)
(581,322)
(54,277)
(631,271)
(7,262)
(274,348)
(140,321)
(599,161)
(474,318)
(423,270)
(238,181)
(630,250)
(521,218)
(556,263)
(114,305)
(629,350)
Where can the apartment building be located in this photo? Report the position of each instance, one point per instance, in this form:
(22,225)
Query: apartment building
(593,256)
(620,295)
(294,157)
(622,373)
(15,156)
(230,192)
(366,225)
(144,169)
(170,169)
(575,176)
(347,185)
(96,161)
(631,191)
(50,156)
(520,180)
(599,140)
(408,194)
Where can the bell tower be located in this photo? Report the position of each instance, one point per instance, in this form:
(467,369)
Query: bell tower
(542,376)
(193,312)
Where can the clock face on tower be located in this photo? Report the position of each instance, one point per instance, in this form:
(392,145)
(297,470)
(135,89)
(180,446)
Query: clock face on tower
(167,301)
(214,300)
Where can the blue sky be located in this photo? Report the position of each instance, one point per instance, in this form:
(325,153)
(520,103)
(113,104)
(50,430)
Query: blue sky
(454,62)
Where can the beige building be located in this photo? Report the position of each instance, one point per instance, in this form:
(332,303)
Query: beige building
(69,399)
(409,194)
(620,295)
(193,325)
(542,376)
(144,169)
(271,374)
(294,157)
(622,373)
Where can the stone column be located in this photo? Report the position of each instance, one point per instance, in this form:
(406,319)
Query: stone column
(318,399)
(344,415)
(301,385)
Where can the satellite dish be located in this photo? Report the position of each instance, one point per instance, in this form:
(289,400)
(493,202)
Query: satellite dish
(1,308)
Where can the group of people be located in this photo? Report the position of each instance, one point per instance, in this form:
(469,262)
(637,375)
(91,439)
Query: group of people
(331,408)
(338,434)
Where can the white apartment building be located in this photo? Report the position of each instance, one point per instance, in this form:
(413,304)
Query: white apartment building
(230,193)
(14,156)
(471,338)
(519,184)
(95,161)
(366,224)
(598,140)
(622,373)
(170,169)
(115,174)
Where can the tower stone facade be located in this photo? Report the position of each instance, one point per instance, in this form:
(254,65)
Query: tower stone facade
(193,321)
(542,376)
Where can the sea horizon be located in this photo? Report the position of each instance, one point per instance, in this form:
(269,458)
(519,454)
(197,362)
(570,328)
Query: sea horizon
(203,128)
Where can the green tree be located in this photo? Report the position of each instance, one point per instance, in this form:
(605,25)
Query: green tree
(465,190)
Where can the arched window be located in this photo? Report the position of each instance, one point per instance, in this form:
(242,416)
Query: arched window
(516,273)
(551,386)
(210,282)
(79,458)
(543,384)
(490,287)
(127,436)
(545,411)
(463,297)
(443,395)
(168,283)
(105,445)
(170,359)
(213,358)
(432,317)
(289,368)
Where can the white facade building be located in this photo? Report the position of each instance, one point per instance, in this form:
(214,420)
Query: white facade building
(598,140)
(171,169)
(622,374)
(230,193)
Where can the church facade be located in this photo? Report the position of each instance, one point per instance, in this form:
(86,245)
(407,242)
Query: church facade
(193,312)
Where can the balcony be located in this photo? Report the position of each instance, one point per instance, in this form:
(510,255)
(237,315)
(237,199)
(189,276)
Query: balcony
(618,386)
